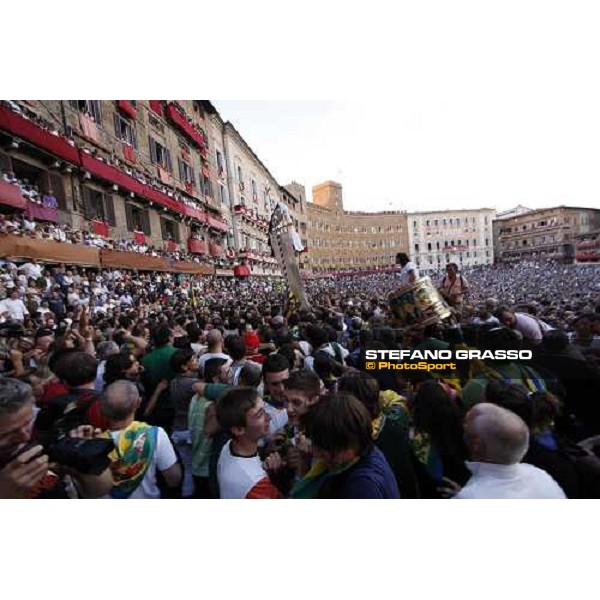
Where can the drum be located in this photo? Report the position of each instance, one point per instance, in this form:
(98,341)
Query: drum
(419,304)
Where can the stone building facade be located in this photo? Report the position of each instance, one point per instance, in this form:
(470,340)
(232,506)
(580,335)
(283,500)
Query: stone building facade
(293,196)
(545,234)
(253,192)
(165,172)
(341,240)
(461,236)
(497,225)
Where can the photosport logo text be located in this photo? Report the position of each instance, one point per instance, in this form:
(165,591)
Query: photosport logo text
(434,360)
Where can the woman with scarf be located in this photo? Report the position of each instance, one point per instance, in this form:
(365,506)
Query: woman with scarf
(390,421)
(346,462)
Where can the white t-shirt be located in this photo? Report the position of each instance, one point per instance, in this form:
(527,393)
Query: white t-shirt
(16,308)
(163,459)
(522,481)
(32,271)
(403,275)
(237,475)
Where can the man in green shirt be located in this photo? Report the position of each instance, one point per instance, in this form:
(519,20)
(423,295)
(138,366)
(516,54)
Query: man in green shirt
(157,367)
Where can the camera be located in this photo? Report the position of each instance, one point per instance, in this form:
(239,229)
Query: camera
(86,456)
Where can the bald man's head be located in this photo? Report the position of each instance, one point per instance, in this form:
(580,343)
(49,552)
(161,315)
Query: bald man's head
(214,338)
(495,435)
(120,400)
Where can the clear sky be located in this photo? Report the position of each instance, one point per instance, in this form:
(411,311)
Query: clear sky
(466,147)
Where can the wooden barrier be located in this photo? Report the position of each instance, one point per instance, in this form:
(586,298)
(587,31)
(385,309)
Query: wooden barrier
(115,259)
(16,246)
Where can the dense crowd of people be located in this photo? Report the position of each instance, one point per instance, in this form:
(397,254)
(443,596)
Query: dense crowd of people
(118,384)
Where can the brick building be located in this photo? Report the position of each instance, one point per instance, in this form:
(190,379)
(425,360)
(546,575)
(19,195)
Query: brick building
(497,225)
(545,234)
(167,172)
(345,240)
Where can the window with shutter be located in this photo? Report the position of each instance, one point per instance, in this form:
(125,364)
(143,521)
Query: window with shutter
(129,216)
(110,210)
(96,110)
(207,187)
(91,107)
(146,222)
(88,207)
(5,163)
(125,130)
(152,144)
(58,189)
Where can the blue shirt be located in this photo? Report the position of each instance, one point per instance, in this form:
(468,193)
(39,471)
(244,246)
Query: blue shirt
(370,478)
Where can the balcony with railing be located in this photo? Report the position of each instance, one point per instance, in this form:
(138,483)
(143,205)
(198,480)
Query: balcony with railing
(178,118)
(51,142)
(197,246)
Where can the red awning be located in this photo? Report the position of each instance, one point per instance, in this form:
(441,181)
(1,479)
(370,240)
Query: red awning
(179,119)
(111,174)
(163,199)
(100,228)
(27,130)
(131,184)
(10,195)
(128,108)
(216,223)
(241,271)
(216,250)
(42,213)
(196,246)
(585,256)
(156,106)
(196,213)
